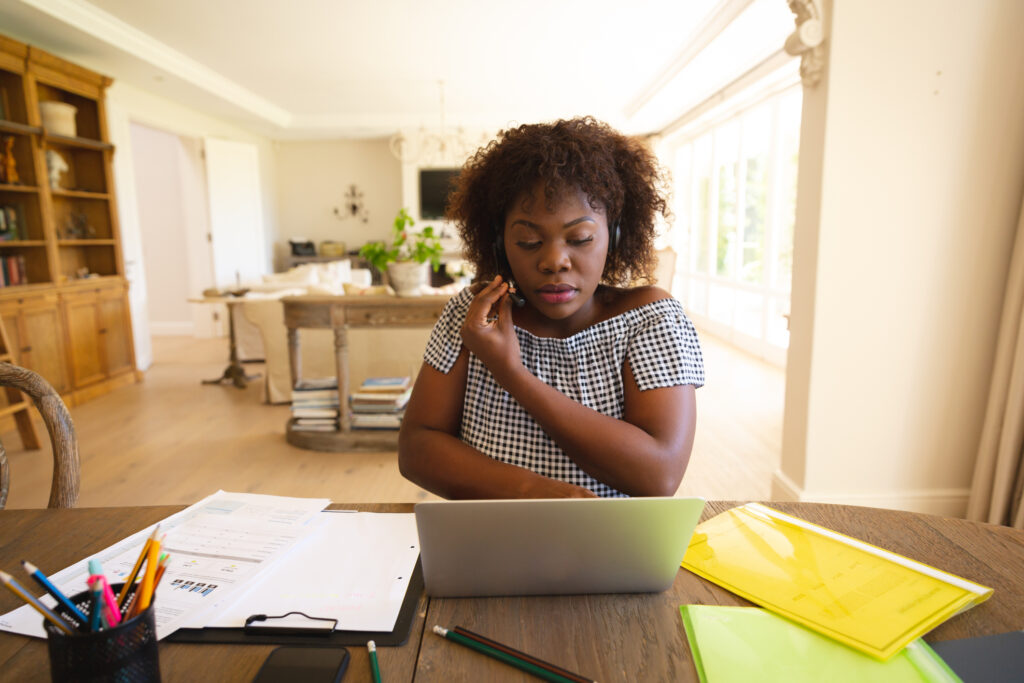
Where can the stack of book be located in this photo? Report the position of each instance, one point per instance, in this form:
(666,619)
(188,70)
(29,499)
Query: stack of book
(12,271)
(379,403)
(315,405)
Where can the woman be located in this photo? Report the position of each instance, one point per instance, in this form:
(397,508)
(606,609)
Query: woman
(585,389)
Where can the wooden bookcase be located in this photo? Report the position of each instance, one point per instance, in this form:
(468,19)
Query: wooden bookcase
(64,298)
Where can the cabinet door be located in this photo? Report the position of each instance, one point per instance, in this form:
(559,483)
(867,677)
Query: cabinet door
(115,334)
(44,350)
(82,315)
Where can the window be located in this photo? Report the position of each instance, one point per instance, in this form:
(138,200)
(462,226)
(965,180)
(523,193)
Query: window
(735,190)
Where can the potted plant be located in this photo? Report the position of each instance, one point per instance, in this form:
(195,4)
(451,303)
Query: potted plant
(405,259)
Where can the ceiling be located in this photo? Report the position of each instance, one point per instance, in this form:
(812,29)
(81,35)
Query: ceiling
(340,68)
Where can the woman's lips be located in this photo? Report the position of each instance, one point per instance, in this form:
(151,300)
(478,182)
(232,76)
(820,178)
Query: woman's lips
(556,294)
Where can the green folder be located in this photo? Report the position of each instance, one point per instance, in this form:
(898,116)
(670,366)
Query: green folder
(752,644)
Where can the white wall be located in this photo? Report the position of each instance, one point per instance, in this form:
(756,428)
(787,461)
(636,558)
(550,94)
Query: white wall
(313,178)
(912,167)
(161,217)
(127,104)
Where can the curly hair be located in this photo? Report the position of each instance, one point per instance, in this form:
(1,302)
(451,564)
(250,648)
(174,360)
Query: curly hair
(616,173)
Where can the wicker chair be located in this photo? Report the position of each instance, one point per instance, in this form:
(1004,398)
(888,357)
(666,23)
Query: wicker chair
(65,485)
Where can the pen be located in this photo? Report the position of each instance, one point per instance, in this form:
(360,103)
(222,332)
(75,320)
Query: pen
(50,615)
(41,579)
(111,611)
(554,668)
(512,660)
(374,666)
(130,579)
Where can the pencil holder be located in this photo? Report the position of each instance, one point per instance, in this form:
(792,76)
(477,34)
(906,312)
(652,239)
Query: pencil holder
(126,652)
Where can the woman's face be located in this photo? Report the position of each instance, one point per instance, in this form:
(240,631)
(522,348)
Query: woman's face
(557,256)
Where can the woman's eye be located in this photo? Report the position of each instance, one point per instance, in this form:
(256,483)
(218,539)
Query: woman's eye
(528,245)
(581,241)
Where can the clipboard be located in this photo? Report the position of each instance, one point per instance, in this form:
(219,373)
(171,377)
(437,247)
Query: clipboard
(313,637)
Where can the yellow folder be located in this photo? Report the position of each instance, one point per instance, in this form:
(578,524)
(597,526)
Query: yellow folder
(864,596)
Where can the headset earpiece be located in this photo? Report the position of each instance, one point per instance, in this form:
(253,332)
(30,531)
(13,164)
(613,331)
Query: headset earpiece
(614,234)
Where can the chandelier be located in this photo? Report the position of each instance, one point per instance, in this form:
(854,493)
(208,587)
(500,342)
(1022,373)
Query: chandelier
(435,148)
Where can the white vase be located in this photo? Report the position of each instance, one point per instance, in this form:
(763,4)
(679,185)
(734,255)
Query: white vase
(408,278)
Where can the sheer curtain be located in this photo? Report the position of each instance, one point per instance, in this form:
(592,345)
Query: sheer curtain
(999,470)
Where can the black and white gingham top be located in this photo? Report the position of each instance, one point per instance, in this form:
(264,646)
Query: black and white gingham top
(657,339)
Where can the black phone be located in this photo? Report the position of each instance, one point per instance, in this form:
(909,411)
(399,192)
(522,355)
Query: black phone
(308,664)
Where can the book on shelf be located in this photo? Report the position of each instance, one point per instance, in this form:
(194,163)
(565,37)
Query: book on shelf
(315,412)
(316,384)
(375,402)
(387,385)
(12,220)
(376,420)
(315,424)
(12,271)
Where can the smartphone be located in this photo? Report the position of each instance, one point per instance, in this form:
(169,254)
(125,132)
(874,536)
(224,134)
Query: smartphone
(308,664)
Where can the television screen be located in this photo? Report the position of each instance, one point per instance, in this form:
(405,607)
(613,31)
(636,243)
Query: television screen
(435,184)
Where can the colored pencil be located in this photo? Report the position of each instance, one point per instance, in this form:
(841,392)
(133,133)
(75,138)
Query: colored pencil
(96,617)
(110,608)
(160,569)
(130,579)
(146,590)
(50,615)
(553,668)
(511,660)
(374,665)
(43,581)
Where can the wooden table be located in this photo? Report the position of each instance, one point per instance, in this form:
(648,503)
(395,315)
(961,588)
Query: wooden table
(607,637)
(340,313)
(234,372)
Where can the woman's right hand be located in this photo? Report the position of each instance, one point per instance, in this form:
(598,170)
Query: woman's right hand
(488,331)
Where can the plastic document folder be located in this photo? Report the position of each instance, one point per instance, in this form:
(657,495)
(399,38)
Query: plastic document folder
(751,644)
(868,598)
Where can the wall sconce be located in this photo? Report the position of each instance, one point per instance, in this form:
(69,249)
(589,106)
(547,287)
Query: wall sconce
(806,41)
(353,206)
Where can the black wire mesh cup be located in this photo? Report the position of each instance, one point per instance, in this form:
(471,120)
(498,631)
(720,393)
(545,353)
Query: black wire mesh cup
(124,653)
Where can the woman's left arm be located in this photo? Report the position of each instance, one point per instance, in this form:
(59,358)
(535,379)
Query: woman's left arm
(643,454)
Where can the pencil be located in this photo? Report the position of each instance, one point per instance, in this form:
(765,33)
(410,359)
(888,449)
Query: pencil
(50,615)
(374,665)
(146,590)
(43,581)
(130,579)
(553,668)
(511,660)
(96,618)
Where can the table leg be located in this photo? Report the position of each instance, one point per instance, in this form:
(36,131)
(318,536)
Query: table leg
(234,372)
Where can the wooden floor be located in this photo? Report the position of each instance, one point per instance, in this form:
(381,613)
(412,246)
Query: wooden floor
(171,440)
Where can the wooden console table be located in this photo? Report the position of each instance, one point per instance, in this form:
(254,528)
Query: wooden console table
(340,313)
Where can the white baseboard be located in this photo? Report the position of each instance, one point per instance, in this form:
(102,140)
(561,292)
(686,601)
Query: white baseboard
(172,329)
(943,502)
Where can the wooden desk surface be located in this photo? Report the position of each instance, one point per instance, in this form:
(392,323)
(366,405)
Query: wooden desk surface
(606,637)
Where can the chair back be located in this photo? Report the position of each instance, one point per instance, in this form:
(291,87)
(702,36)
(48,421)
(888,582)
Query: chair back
(65,485)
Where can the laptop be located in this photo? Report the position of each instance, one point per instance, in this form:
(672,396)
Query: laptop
(553,547)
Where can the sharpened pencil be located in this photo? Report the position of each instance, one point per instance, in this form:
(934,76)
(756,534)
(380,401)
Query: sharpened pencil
(553,668)
(511,660)
(48,586)
(130,579)
(50,615)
